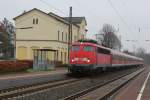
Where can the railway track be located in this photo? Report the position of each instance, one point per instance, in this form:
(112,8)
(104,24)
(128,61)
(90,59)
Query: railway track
(69,89)
(14,92)
(103,91)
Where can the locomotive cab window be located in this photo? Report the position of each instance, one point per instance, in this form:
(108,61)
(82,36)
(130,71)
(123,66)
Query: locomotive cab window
(75,48)
(88,48)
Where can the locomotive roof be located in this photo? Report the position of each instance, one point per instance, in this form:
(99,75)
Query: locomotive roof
(113,52)
(84,43)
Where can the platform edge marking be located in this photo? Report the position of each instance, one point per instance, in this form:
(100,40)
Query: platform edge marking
(143,87)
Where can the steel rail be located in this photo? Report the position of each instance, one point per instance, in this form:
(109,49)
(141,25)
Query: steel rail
(81,93)
(33,88)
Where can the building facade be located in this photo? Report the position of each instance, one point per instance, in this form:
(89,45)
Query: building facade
(36,29)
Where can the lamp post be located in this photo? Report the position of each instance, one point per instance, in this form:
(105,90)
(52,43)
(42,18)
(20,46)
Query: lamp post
(70,32)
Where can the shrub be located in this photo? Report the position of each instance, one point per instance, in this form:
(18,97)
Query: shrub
(30,62)
(13,66)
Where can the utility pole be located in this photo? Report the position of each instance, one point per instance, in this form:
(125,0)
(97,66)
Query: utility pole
(70,32)
(70,24)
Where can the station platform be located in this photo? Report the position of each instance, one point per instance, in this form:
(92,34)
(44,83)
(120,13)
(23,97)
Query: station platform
(136,89)
(21,79)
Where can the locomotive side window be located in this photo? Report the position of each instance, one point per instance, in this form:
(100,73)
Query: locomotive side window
(103,51)
(88,48)
(75,48)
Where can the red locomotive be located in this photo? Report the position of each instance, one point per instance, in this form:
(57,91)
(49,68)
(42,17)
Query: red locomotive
(87,56)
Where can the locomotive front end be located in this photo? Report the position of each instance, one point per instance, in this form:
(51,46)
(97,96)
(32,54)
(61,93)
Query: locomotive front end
(82,57)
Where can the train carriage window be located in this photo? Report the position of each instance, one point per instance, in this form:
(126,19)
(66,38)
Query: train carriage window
(88,48)
(104,51)
(75,48)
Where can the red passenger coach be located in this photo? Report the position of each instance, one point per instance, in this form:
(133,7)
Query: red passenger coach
(88,56)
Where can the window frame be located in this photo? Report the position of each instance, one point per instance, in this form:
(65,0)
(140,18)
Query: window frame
(74,50)
(66,37)
(33,20)
(58,35)
(103,51)
(62,36)
(37,21)
(92,48)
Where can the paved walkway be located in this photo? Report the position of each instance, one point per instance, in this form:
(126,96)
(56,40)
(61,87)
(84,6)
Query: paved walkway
(33,74)
(22,79)
(137,89)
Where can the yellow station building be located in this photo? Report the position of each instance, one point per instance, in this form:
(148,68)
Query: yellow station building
(36,29)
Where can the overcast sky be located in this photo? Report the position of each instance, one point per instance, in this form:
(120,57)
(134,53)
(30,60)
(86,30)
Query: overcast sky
(126,15)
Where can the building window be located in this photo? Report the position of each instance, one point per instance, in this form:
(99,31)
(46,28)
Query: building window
(62,57)
(66,37)
(33,21)
(58,35)
(62,36)
(65,57)
(75,38)
(57,55)
(36,20)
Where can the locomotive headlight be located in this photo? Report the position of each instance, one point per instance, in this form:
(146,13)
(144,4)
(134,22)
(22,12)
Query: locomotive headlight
(88,60)
(72,60)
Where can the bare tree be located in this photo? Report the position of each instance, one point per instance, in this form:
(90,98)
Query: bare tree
(140,52)
(128,52)
(110,39)
(147,58)
(7,38)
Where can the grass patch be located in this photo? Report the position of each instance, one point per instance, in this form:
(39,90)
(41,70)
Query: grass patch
(12,72)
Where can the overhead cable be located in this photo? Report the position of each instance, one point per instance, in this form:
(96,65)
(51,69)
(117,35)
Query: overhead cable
(121,18)
(48,4)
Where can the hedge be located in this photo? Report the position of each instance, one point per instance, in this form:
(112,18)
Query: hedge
(30,62)
(14,66)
